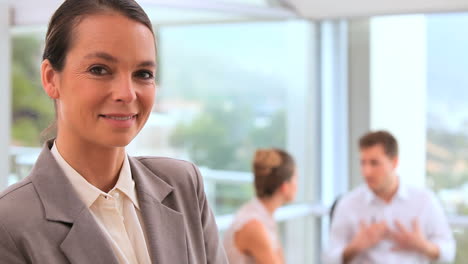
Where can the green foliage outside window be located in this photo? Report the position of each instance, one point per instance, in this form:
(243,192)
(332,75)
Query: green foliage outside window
(32,110)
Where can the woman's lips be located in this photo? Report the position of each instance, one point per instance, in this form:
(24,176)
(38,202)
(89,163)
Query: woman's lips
(120,120)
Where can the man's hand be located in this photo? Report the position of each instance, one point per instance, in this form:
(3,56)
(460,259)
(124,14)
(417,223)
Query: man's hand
(413,240)
(367,237)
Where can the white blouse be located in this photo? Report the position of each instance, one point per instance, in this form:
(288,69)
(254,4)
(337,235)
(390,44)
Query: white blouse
(250,211)
(117,212)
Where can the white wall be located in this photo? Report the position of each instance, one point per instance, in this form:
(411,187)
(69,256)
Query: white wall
(398,88)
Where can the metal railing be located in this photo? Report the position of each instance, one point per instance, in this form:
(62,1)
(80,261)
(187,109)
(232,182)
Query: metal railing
(26,156)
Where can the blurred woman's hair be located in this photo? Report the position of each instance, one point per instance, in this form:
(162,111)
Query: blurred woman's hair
(271,167)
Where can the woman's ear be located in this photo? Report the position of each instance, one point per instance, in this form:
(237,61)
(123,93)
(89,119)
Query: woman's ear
(284,188)
(50,79)
(395,162)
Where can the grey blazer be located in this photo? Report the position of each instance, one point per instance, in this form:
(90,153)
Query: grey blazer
(42,219)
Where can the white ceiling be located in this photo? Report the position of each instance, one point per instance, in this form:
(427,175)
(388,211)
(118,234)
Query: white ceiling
(38,12)
(323,9)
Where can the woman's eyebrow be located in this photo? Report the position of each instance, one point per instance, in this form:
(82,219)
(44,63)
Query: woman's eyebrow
(147,64)
(102,55)
(110,58)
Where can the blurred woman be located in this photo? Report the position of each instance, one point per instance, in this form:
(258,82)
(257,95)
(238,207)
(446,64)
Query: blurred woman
(253,235)
(85,200)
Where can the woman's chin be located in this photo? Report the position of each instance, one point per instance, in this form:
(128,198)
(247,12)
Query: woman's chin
(116,141)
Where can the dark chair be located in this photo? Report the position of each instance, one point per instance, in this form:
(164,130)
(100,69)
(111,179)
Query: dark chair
(332,208)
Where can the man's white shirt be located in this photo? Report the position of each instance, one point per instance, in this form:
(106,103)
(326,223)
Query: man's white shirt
(408,203)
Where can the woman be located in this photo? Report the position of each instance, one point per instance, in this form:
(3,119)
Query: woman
(253,236)
(85,200)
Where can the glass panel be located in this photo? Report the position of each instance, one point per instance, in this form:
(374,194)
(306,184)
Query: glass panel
(32,110)
(299,240)
(447,134)
(223,94)
(225,90)
(441,72)
(208,108)
(461,235)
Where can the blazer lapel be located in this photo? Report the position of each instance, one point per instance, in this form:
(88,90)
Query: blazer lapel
(165,227)
(85,241)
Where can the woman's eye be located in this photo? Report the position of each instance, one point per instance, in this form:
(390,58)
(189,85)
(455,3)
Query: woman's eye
(98,70)
(146,75)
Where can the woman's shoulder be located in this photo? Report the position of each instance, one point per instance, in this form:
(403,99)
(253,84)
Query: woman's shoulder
(15,193)
(169,168)
(249,212)
(181,175)
(18,203)
(164,164)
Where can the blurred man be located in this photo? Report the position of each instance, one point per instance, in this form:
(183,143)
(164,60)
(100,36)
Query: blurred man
(385,221)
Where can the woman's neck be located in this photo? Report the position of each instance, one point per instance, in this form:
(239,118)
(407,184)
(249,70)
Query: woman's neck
(272,203)
(99,165)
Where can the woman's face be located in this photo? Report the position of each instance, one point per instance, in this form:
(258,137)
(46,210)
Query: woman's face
(106,89)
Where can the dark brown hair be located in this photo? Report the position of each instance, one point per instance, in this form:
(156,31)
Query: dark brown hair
(272,167)
(68,15)
(59,37)
(383,138)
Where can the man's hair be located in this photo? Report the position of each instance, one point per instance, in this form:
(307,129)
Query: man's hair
(383,138)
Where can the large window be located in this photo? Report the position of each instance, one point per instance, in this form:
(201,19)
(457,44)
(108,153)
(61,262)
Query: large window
(224,90)
(418,83)
(447,116)
(447,164)
(32,110)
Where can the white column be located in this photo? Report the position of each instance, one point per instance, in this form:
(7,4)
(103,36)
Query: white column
(303,106)
(359,93)
(5,92)
(303,131)
(398,88)
(334,110)
(334,115)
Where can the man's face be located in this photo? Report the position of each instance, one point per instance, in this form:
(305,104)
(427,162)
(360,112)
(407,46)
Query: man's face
(377,168)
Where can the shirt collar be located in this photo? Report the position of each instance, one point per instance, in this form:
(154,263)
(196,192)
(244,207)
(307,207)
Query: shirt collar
(369,195)
(402,193)
(126,184)
(88,192)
